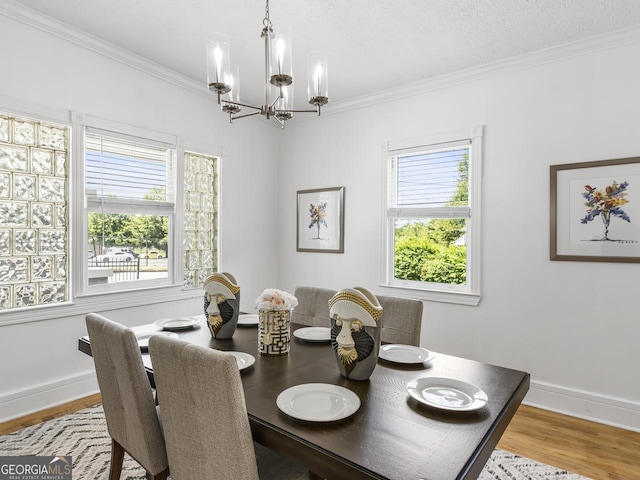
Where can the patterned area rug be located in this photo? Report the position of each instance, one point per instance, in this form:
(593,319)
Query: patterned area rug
(83,435)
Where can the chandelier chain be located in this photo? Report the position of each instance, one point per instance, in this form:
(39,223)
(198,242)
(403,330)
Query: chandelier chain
(266,21)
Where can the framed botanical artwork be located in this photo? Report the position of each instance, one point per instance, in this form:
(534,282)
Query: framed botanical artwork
(595,211)
(320,221)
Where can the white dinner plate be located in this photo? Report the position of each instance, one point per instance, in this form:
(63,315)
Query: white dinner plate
(181,323)
(447,393)
(318,402)
(143,338)
(245,319)
(399,353)
(244,360)
(313,334)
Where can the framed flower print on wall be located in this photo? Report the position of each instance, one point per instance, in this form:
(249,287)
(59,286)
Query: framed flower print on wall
(320,222)
(595,211)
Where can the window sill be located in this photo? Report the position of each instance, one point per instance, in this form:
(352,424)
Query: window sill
(98,302)
(459,298)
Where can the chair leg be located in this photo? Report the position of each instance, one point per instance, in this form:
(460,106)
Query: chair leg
(117,456)
(159,476)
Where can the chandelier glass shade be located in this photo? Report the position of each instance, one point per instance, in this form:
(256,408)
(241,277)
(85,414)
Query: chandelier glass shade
(223,77)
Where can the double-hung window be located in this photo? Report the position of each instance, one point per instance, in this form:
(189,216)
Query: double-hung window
(130,199)
(432,216)
(133,210)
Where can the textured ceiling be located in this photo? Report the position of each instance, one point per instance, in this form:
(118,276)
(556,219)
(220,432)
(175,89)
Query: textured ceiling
(371,45)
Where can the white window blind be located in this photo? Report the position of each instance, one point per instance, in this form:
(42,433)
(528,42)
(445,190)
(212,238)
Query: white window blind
(428,179)
(124,170)
(429,182)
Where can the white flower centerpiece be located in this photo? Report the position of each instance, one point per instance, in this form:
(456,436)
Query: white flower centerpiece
(274,333)
(274,299)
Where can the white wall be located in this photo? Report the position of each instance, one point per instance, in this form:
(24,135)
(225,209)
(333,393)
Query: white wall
(40,365)
(573,325)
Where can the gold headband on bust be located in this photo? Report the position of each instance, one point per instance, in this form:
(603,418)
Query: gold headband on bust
(224,279)
(356,301)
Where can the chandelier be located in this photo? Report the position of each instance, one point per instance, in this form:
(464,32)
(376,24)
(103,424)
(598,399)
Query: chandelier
(223,78)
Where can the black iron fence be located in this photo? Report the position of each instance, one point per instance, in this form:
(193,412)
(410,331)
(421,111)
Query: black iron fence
(121,270)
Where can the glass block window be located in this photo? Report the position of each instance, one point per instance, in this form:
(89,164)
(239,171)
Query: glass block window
(33,212)
(200,218)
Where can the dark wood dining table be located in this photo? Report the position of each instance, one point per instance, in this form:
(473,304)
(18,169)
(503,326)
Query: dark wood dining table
(391,435)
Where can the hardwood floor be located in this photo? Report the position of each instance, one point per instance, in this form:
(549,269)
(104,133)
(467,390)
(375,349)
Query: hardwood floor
(591,449)
(48,414)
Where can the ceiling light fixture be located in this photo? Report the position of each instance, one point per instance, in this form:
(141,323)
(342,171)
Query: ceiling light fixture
(223,78)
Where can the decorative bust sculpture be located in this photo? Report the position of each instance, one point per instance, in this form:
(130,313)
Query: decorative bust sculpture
(221,304)
(355,331)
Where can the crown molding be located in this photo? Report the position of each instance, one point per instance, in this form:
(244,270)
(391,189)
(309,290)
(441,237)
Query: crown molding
(30,17)
(46,24)
(577,48)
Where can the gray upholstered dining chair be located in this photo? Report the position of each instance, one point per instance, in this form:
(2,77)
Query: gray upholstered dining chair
(313,306)
(204,416)
(127,398)
(401,318)
(203,411)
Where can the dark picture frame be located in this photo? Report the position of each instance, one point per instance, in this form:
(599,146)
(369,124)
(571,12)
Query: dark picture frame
(595,211)
(320,220)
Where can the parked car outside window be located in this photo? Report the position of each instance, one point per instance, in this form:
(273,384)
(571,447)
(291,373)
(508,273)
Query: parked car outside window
(115,257)
(154,254)
(122,249)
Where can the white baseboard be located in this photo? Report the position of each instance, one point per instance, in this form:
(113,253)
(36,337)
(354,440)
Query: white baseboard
(34,399)
(577,403)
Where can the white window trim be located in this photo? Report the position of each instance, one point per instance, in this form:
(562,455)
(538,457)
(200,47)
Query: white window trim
(444,293)
(80,305)
(82,123)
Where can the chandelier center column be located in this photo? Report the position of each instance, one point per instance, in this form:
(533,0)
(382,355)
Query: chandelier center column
(267,33)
